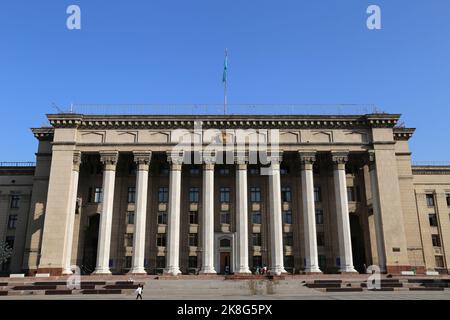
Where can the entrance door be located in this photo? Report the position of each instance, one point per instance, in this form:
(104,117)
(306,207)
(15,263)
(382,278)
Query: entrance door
(225,261)
(90,245)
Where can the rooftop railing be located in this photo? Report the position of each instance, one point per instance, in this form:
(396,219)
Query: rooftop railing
(431,163)
(217,109)
(18,164)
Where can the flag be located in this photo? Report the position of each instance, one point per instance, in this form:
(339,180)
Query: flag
(225,68)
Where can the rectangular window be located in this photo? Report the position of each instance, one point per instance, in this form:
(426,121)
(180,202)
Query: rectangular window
(287,217)
(317,194)
(98,195)
(432,218)
(194,194)
(257,262)
(351,194)
(129,240)
(161,239)
(163,195)
(256,239)
(430,200)
(447,196)
(192,262)
(131,194)
(12,221)
(320,239)
(224,195)
(288,239)
(10,242)
(225,217)
(130,217)
(319,216)
(15,199)
(286,195)
(195,171)
(254,171)
(160,262)
(256,217)
(162,217)
(255,194)
(193,217)
(193,239)
(439,261)
(224,171)
(436,240)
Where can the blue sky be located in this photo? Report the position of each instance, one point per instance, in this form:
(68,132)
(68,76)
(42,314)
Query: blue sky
(167,51)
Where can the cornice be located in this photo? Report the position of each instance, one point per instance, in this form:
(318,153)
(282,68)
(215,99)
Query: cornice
(222,121)
(403,134)
(43,134)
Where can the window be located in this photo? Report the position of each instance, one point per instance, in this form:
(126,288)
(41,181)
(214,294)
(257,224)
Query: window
(129,240)
(257,261)
(225,243)
(192,262)
(439,261)
(15,202)
(163,195)
(286,195)
(195,171)
(351,194)
(131,194)
(433,220)
(161,239)
(256,239)
(224,171)
(254,171)
(98,195)
(162,217)
(194,195)
(130,217)
(128,262)
(447,196)
(225,195)
(193,217)
(317,194)
(160,262)
(225,217)
(287,217)
(255,194)
(319,216)
(256,217)
(436,240)
(10,242)
(12,221)
(193,239)
(430,200)
(284,170)
(288,239)
(320,239)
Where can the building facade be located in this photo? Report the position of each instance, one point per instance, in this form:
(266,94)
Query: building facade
(130,194)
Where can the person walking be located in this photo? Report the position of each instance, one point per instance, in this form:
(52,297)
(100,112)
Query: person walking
(138,291)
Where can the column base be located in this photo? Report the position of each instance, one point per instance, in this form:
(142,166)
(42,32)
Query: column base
(243,272)
(137,271)
(208,271)
(348,269)
(105,272)
(277,271)
(67,272)
(312,270)
(172,271)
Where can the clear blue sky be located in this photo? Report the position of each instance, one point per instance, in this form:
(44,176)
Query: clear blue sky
(171,51)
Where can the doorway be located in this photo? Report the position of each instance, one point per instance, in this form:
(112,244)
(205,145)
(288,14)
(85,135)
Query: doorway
(359,252)
(225,262)
(90,245)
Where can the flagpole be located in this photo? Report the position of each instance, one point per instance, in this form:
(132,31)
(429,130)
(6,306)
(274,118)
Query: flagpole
(225,82)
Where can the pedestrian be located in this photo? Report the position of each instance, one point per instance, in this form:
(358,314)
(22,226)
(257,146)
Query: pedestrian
(138,291)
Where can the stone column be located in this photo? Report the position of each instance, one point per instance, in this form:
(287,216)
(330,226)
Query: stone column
(343,220)
(173,234)
(208,215)
(307,160)
(109,160)
(241,214)
(67,257)
(142,160)
(381,251)
(276,225)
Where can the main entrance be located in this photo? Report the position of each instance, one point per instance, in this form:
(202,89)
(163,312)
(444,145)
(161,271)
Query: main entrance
(224,258)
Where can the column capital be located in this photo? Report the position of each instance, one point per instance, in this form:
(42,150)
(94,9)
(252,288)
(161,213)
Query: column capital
(109,159)
(76,160)
(275,157)
(209,158)
(175,159)
(142,159)
(241,157)
(339,157)
(307,157)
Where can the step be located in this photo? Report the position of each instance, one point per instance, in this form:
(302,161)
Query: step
(57,292)
(121,286)
(349,289)
(426,289)
(33,288)
(102,291)
(323,285)
(328,281)
(3,293)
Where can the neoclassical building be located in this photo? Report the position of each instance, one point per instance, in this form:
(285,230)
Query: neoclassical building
(130,194)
